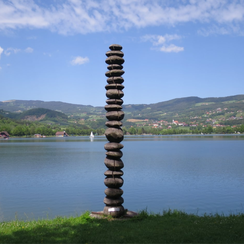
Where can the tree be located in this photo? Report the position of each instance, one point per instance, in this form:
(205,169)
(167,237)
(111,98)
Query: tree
(18,131)
(132,130)
(26,130)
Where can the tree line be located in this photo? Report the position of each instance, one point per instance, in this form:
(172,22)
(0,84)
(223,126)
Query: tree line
(184,130)
(26,128)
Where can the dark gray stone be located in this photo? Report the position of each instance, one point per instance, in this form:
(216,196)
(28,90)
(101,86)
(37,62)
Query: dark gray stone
(115,47)
(114,86)
(115,66)
(115,115)
(114,72)
(113,107)
(114,134)
(114,164)
(114,173)
(113,201)
(113,146)
(114,60)
(113,182)
(113,192)
(113,80)
(115,101)
(114,123)
(114,94)
(114,154)
(115,53)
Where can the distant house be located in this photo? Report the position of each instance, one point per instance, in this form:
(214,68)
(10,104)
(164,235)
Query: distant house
(175,122)
(38,135)
(61,134)
(4,135)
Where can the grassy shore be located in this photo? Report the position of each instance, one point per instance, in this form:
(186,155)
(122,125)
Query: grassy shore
(169,227)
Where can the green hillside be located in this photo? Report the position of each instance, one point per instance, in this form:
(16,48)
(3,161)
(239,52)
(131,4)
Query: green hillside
(183,107)
(189,111)
(43,114)
(37,114)
(66,108)
(179,107)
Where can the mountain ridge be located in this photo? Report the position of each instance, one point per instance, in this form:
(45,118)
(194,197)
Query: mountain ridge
(184,108)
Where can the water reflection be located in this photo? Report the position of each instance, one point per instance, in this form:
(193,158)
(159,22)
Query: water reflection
(64,176)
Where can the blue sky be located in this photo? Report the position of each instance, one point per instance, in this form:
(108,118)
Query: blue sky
(54,50)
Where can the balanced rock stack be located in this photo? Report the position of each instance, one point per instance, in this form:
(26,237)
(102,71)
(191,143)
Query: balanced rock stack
(114,133)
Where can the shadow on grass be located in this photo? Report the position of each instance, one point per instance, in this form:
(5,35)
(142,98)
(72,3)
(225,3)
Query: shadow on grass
(58,230)
(171,227)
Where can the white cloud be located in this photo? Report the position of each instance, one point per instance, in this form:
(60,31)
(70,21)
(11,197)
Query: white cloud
(11,50)
(1,51)
(79,60)
(86,16)
(158,40)
(221,30)
(29,50)
(171,48)
(47,54)
(163,42)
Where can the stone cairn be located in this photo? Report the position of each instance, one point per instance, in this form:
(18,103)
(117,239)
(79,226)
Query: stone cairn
(114,133)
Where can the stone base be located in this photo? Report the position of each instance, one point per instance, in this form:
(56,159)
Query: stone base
(101,215)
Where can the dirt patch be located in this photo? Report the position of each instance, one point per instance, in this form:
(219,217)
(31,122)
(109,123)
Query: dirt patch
(34,118)
(135,120)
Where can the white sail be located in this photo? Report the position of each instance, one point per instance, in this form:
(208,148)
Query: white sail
(91,135)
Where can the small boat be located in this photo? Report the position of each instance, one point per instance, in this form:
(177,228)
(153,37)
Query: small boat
(91,135)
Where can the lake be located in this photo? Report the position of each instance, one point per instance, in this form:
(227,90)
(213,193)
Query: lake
(49,177)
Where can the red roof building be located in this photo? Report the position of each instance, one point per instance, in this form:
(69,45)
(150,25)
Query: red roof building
(61,134)
(4,134)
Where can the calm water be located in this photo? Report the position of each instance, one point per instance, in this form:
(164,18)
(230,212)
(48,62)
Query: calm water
(63,177)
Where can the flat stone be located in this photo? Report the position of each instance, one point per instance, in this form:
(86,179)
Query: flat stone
(115,66)
(113,107)
(113,146)
(113,182)
(113,164)
(114,134)
(114,123)
(114,86)
(114,154)
(114,72)
(114,60)
(113,201)
(117,79)
(127,214)
(114,94)
(115,115)
(113,192)
(115,101)
(115,47)
(114,173)
(115,53)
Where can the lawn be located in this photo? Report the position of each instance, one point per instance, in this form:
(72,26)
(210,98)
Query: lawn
(169,227)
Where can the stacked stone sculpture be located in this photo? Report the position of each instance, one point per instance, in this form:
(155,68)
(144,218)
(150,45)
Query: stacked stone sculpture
(114,133)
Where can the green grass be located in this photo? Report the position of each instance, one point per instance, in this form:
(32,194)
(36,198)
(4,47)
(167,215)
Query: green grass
(206,103)
(232,101)
(169,227)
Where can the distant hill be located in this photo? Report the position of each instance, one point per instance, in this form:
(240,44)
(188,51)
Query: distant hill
(66,108)
(177,109)
(37,114)
(183,107)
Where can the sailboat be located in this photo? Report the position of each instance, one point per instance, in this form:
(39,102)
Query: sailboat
(91,135)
